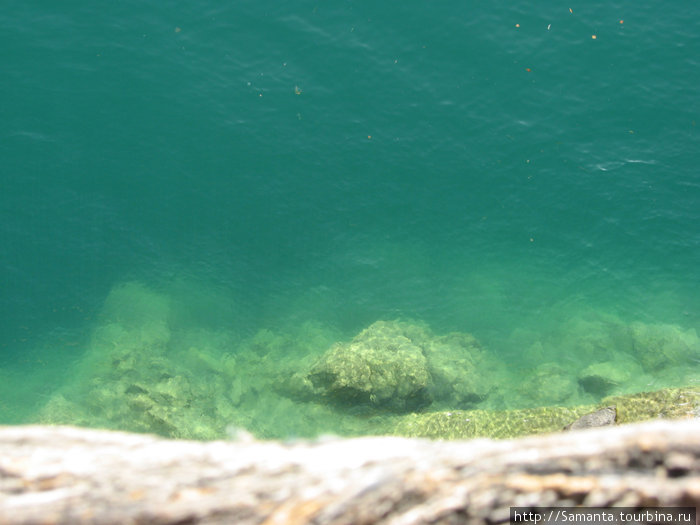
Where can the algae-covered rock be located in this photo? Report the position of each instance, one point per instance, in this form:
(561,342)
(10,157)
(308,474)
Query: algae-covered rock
(158,400)
(669,403)
(380,367)
(403,366)
(658,346)
(465,424)
(135,381)
(672,403)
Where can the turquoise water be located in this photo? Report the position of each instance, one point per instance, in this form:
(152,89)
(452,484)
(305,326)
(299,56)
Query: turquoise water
(305,171)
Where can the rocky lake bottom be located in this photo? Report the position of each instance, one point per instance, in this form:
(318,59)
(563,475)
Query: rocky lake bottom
(142,372)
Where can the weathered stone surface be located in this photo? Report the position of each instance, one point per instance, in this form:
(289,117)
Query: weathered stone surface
(66,475)
(600,418)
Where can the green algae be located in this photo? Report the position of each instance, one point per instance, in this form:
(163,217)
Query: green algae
(673,403)
(668,403)
(465,424)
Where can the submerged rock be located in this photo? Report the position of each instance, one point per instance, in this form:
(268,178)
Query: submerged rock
(134,382)
(658,346)
(401,366)
(380,367)
(463,375)
(602,379)
(548,384)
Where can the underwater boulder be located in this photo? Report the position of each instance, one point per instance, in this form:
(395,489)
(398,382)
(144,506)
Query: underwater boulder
(462,372)
(548,384)
(602,379)
(658,346)
(380,367)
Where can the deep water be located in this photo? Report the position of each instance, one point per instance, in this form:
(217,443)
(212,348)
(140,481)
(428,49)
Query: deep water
(259,181)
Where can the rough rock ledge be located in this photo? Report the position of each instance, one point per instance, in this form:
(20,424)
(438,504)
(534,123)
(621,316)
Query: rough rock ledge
(72,476)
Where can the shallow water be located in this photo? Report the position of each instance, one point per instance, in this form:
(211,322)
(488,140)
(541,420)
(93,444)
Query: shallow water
(265,181)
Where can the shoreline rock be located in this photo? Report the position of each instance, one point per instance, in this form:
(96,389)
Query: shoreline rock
(68,475)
